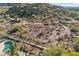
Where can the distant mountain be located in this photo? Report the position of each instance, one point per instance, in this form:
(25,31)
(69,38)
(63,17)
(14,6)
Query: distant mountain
(8,4)
(67,4)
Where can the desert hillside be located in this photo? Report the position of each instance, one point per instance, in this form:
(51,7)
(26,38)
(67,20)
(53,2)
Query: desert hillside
(40,29)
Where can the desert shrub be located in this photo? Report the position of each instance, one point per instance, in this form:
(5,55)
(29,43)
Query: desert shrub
(66,18)
(3,34)
(74,30)
(77,18)
(53,51)
(23,33)
(73,53)
(15,48)
(58,51)
(15,27)
(76,42)
(1,20)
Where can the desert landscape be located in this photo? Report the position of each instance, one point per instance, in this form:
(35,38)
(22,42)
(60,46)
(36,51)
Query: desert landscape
(39,29)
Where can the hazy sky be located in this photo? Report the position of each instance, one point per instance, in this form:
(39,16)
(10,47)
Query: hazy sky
(67,4)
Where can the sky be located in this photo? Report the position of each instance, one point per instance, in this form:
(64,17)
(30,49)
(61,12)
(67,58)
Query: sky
(70,3)
(67,4)
(39,1)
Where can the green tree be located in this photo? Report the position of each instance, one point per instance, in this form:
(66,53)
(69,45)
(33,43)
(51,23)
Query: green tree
(53,51)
